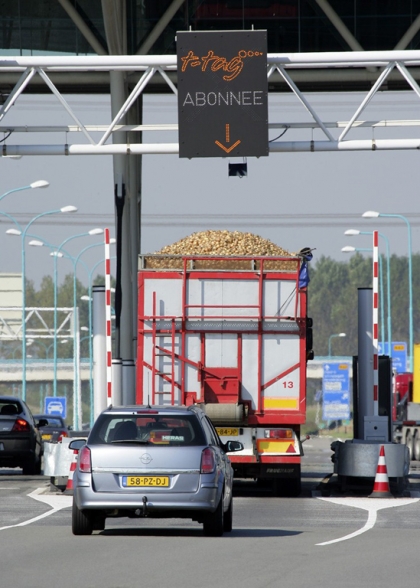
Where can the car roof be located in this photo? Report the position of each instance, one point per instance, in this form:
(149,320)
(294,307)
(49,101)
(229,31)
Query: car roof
(10,399)
(49,416)
(135,408)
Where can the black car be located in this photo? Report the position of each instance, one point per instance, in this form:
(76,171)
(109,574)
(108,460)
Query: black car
(53,428)
(20,439)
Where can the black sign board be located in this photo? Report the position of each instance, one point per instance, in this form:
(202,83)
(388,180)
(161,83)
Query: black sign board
(222,94)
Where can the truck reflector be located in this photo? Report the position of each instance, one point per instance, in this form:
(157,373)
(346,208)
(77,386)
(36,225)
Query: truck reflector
(281,403)
(275,446)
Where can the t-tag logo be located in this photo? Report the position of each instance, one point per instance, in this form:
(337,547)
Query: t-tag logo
(234,66)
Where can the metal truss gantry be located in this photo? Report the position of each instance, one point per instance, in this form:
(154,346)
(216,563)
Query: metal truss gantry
(379,67)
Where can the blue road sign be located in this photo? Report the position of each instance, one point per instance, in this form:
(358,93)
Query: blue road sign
(56,405)
(398,354)
(336,392)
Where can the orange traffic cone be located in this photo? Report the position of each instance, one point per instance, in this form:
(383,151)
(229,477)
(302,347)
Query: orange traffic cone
(69,486)
(381,485)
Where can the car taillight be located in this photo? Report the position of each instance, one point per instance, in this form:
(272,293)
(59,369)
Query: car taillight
(61,435)
(207,461)
(278,434)
(84,460)
(21,426)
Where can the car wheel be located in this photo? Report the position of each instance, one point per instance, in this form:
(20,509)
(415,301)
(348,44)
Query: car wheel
(228,518)
(213,525)
(81,521)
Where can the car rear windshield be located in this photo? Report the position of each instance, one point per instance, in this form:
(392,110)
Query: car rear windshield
(10,408)
(148,429)
(52,421)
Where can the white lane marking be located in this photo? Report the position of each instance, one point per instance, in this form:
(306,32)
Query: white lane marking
(57,503)
(372,505)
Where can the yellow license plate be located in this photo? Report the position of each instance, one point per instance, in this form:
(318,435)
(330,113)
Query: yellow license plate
(137,481)
(46,437)
(227,432)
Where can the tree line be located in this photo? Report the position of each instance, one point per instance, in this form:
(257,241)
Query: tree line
(333,300)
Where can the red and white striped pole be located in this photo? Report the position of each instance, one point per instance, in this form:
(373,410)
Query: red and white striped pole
(375,322)
(108,318)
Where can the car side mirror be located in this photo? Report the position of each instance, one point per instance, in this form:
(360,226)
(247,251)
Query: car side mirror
(77,444)
(232,446)
(42,423)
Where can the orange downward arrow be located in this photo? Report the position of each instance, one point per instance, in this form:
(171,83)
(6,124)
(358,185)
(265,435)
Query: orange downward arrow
(227,149)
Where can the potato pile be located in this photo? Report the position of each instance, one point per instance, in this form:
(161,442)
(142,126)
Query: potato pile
(219,243)
(223,243)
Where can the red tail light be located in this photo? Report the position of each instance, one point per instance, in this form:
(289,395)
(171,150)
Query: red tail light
(85,464)
(207,461)
(61,435)
(21,426)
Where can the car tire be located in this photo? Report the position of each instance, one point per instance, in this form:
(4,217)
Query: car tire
(213,525)
(81,521)
(228,518)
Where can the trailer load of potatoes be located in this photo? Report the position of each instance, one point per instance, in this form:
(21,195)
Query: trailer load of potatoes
(243,248)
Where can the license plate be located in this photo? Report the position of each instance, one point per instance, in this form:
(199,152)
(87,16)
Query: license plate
(46,437)
(227,432)
(138,481)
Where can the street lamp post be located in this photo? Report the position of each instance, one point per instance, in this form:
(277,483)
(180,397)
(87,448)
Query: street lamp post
(23,234)
(331,337)
(374,214)
(76,336)
(37,184)
(351,232)
(349,249)
(90,299)
(56,254)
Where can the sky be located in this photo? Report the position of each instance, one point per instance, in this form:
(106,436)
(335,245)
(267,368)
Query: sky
(293,199)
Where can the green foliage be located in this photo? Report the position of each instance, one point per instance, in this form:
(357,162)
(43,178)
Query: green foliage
(333,300)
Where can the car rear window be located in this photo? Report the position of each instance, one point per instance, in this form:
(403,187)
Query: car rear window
(10,408)
(165,430)
(53,422)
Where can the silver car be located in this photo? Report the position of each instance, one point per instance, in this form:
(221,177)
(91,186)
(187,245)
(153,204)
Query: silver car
(145,462)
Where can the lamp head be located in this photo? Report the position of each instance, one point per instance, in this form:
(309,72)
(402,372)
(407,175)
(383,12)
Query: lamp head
(96,232)
(40,184)
(56,254)
(348,249)
(68,209)
(371,214)
(351,232)
(36,243)
(13,232)
(342,335)
(112,241)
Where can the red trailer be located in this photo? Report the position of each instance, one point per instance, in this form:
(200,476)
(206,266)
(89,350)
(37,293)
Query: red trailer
(231,334)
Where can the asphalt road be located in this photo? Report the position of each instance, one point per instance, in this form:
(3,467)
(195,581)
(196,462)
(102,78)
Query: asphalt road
(314,540)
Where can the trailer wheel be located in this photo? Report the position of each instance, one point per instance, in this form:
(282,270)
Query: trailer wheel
(416,445)
(409,442)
